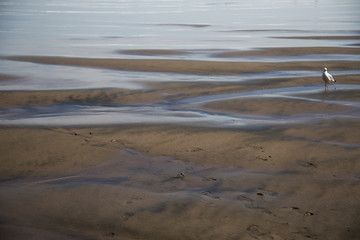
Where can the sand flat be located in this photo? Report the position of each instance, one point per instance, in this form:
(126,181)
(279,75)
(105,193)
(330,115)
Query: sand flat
(279,107)
(185,181)
(154,52)
(260,52)
(185,120)
(231,182)
(336,37)
(188,66)
(107,182)
(290,51)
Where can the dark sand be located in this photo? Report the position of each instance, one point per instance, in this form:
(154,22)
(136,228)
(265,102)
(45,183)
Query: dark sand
(189,66)
(291,51)
(154,52)
(261,52)
(337,37)
(291,181)
(281,183)
(166,91)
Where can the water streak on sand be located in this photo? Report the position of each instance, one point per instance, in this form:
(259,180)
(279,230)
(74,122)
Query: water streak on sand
(187,111)
(289,92)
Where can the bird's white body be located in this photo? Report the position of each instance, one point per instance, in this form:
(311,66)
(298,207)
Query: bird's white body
(328,79)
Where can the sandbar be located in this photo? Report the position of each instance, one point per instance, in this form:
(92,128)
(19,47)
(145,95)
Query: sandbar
(188,66)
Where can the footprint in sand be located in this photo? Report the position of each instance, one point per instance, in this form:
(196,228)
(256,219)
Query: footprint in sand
(210,194)
(244,198)
(180,175)
(210,179)
(265,193)
(304,212)
(307,164)
(305,232)
(252,204)
(257,232)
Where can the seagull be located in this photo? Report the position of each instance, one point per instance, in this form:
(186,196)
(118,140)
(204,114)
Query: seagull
(327,78)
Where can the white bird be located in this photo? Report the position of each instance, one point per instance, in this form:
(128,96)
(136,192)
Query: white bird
(328,79)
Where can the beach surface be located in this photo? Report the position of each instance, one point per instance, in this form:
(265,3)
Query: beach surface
(269,158)
(183,119)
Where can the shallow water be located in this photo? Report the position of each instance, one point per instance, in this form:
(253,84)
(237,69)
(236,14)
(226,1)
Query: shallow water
(199,30)
(187,111)
(98,28)
(103,28)
(68,77)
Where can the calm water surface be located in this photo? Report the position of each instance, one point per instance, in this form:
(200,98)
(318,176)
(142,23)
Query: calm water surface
(99,28)
(104,28)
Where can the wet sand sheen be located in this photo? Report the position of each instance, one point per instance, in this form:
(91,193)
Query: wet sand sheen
(188,66)
(275,107)
(230,186)
(230,182)
(276,157)
(344,37)
(151,181)
(274,52)
(290,51)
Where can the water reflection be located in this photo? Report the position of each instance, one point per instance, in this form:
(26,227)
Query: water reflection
(174,112)
(96,28)
(201,28)
(53,77)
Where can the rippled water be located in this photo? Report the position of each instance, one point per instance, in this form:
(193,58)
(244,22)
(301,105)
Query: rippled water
(105,28)
(99,28)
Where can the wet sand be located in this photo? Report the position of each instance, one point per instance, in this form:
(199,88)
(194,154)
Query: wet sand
(189,66)
(339,37)
(184,181)
(262,52)
(282,183)
(291,51)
